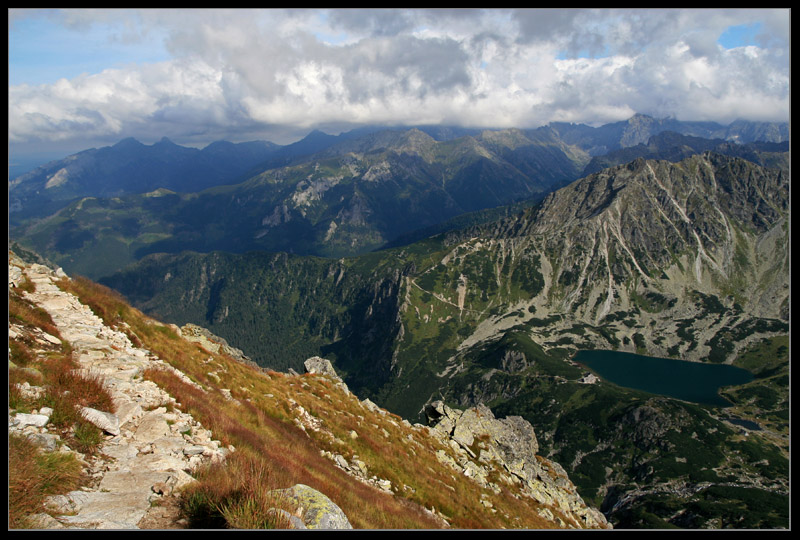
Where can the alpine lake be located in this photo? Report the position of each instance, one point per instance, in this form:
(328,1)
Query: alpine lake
(688,381)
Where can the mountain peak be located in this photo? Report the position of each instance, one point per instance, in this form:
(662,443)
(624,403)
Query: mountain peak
(128,142)
(415,134)
(316,135)
(165,141)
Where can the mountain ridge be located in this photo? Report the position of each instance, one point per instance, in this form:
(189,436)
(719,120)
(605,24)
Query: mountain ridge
(348,199)
(162,455)
(358,192)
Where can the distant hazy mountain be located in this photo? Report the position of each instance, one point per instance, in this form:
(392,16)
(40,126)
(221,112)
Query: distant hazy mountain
(351,197)
(673,146)
(131,167)
(639,128)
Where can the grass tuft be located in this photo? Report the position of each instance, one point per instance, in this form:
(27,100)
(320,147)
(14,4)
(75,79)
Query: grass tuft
(34,475)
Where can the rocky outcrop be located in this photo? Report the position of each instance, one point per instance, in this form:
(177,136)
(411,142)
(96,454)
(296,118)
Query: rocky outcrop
(211,342)
(322,366)
(488,447)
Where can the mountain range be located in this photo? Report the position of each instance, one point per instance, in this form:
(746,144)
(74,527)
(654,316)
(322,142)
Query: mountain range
(648,236)
(326,195)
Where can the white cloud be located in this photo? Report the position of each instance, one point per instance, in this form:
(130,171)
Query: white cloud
(244,71)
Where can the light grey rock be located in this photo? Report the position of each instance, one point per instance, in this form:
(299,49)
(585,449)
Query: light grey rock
(45,521)
(179,480)
(36,420)
(152,426)
(318,511)
(193,450)
(106,421)
(283,517)
(46,441)
(318,365)
(51,339)
(371,406)
(321,366)
(163,462)
(109,510)
(140,480)
(14,275)
(169,445)
(120,451)
(68,503)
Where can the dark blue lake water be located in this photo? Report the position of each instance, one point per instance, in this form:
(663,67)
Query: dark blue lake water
(689,381)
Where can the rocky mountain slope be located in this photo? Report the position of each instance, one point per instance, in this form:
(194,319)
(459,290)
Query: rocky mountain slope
(650,238)
(687,260)
(154,445)
(688,251)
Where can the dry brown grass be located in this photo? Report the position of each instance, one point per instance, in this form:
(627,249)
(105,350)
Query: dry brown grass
(234,495)
(33,475)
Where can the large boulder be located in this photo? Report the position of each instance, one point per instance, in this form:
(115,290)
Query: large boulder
(106,421)
(315,509)
(321,366)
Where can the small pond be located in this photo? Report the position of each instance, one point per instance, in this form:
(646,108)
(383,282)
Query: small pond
(748,424)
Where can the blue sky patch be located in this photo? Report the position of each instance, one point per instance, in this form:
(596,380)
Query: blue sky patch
(42,51)
(740,35)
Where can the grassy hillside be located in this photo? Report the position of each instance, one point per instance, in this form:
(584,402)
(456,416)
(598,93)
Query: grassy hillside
(286,429)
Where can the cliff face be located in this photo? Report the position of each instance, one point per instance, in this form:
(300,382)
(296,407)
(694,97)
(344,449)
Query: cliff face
(152,450)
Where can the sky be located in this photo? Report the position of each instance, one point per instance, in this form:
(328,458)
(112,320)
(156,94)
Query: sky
(81,78)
